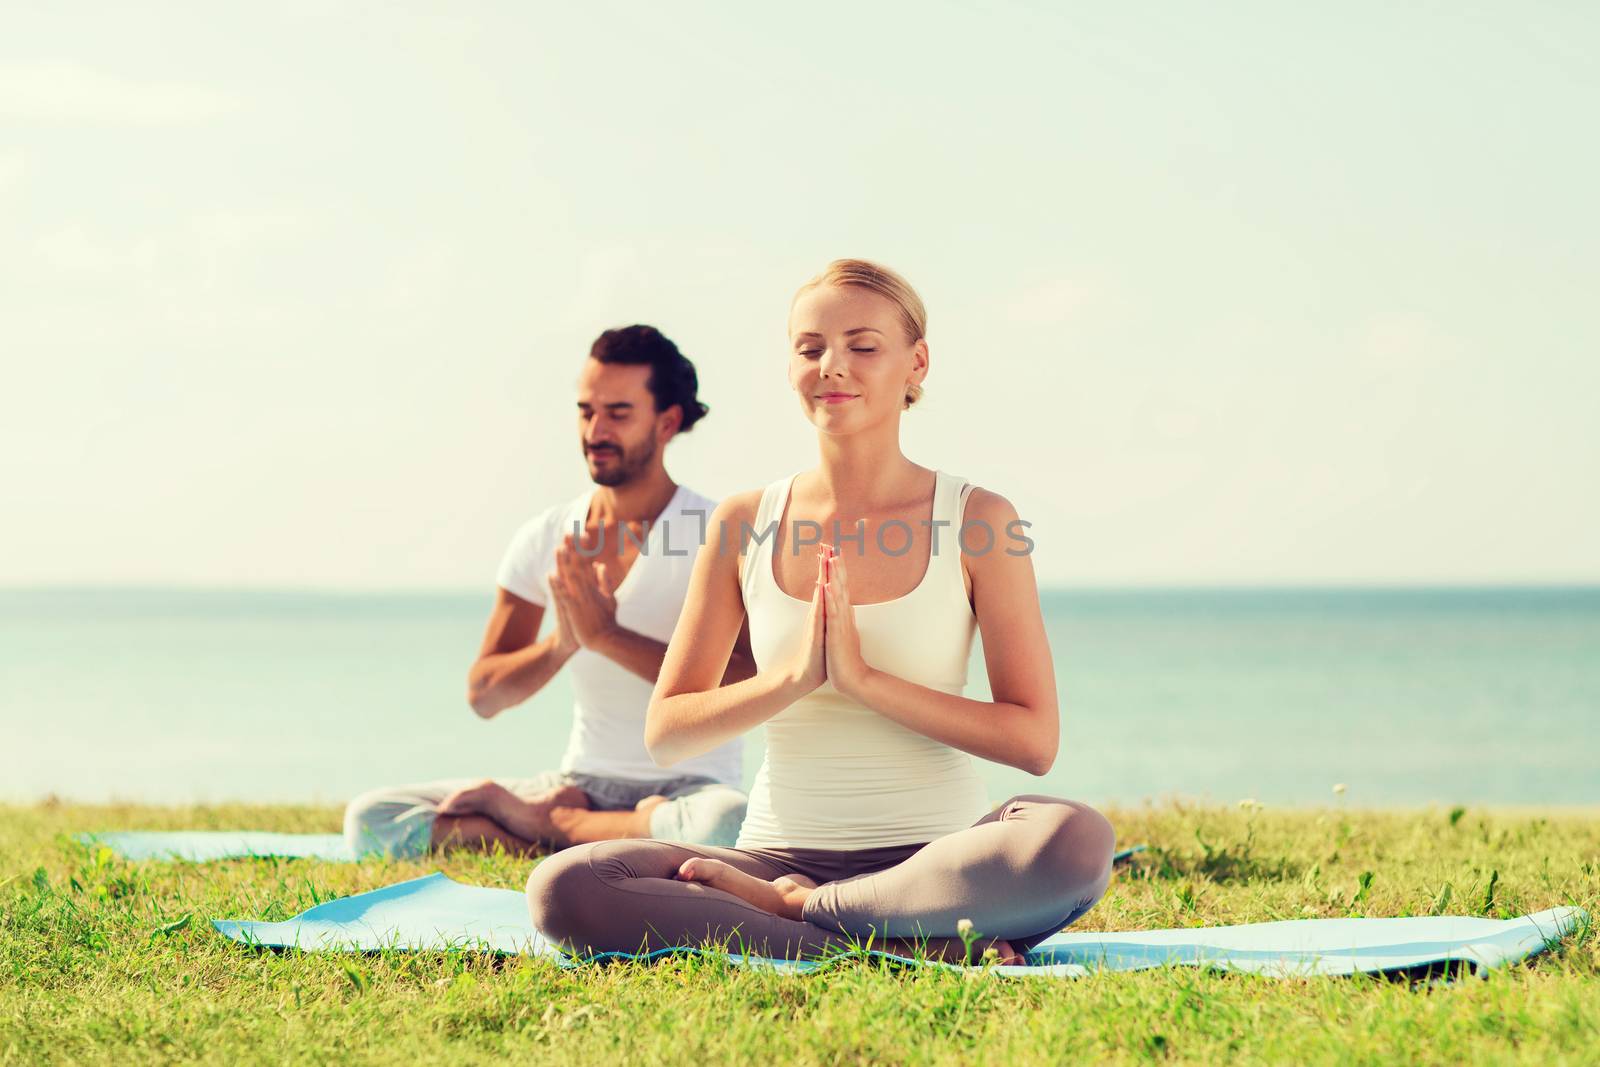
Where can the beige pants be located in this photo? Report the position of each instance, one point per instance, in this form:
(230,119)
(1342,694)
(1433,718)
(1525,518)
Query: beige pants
(1020,873)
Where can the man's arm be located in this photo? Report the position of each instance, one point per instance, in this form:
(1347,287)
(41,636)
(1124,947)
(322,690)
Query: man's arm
(512,665)
(588,602)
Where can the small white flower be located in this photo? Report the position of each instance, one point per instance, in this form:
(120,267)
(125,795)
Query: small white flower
(964,927)
(1339,789)
(1249,804)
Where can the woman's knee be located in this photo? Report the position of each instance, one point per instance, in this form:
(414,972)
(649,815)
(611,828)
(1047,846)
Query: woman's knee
(1072,843)
(561,890)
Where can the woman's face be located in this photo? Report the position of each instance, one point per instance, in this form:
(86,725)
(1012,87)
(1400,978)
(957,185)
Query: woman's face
(849,359)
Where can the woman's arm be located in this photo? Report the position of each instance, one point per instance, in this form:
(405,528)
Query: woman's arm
(1021,727)
(689,713)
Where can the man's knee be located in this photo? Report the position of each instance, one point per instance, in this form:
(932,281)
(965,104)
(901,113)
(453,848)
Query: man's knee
(360,815)
(709,817)
(379,822)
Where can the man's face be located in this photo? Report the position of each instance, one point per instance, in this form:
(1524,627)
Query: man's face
(617,421)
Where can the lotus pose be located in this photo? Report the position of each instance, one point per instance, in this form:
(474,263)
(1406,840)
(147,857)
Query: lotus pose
(609,570)
(861,582)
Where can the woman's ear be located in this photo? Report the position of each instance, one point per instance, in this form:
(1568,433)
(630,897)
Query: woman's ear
(919,354)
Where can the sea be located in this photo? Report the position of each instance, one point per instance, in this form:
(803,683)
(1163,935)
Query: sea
(1406,697)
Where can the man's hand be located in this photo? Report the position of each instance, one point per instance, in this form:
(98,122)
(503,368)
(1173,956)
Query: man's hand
(566,640)
(584,596)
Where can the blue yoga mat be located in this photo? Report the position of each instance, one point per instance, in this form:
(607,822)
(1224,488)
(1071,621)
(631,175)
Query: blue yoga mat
(435,913)
(202,845)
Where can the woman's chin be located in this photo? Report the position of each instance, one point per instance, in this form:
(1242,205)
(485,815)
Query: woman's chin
(833,419)
(833,424)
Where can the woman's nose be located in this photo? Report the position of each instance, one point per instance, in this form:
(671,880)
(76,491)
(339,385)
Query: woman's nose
(831,363)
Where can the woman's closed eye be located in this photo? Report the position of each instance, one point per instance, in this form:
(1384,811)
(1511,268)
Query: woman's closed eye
(813,353)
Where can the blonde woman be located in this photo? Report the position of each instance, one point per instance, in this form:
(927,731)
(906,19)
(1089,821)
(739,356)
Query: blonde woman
(861,582)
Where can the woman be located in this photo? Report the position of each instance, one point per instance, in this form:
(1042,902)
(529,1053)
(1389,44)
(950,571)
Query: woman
(868,819)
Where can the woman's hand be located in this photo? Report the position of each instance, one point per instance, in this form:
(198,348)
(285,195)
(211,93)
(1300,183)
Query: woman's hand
(846,668)
(808,669)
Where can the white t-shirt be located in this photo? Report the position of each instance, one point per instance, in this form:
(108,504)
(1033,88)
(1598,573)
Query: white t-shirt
(607,737)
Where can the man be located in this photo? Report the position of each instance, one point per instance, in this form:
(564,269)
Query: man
(613,593)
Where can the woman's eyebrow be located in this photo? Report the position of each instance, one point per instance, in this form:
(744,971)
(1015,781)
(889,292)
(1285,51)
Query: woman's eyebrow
(810,334)
(848,333)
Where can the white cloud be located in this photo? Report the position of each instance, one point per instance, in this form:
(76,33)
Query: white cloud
(222,230)
(195,243)
(1049,303)
(56,90)
(73,249)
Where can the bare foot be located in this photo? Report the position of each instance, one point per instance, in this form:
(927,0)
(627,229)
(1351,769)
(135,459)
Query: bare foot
(1004,954)
(639,823)
(529,817)
(784,897)
(474,799)
(954,950)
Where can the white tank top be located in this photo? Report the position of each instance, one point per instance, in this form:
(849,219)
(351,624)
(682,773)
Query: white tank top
(838,775)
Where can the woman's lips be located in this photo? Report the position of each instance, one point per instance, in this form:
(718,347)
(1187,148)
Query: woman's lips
(836,398)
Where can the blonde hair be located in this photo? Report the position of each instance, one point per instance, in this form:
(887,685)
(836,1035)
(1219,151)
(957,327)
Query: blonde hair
(876,278)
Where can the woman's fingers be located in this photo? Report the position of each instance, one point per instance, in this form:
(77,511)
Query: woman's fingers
(825,582)
(819,606)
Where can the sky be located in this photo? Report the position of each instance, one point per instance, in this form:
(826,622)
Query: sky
(294,295)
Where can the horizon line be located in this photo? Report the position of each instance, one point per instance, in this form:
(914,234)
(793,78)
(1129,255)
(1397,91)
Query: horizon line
(1291,586)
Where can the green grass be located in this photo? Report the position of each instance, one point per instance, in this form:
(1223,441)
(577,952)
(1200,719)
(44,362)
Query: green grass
(102,960)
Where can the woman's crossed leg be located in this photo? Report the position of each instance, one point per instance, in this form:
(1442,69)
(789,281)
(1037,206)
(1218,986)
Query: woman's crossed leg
(1024,871)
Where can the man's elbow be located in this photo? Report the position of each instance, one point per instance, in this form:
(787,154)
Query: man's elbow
(481,698)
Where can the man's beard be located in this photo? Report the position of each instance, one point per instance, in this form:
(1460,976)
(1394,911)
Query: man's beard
(626,465)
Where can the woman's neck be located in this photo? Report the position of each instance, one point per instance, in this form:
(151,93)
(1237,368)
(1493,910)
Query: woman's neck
(865,467)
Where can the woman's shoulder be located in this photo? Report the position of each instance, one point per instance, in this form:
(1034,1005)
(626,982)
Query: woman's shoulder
(986,505)
(992,535)
(739,507)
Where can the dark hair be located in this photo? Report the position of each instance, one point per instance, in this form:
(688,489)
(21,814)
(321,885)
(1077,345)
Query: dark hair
(672,376)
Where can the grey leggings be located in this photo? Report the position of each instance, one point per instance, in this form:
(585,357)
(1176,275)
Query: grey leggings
(1020,873)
